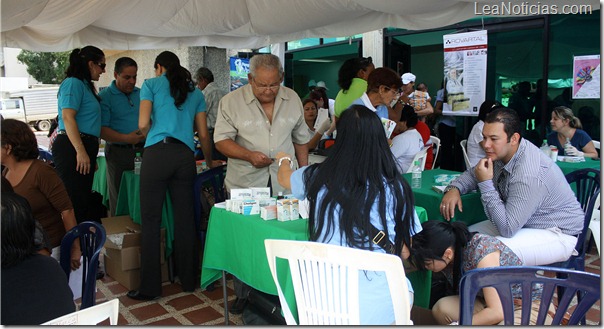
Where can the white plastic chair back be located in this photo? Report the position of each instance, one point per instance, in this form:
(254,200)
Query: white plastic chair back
(463,144)
(596,144)
(90,316)
(422,155)
(325,280)
(594,224)
(436,143)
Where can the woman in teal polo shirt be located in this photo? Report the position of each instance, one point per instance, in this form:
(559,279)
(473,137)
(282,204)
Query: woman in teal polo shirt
(169,109)
(77,144)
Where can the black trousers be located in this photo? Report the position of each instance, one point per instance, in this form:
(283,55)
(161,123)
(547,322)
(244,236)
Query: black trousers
(78,186)
(168,167)
(118,160)
(451,156)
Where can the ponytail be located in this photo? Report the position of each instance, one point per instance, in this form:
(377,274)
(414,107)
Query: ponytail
(181,83)
(78,65)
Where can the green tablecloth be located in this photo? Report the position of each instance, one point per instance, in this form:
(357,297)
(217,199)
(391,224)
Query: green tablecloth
(128,203)
(99,183)
(235,244)
(568,167)
(426,197)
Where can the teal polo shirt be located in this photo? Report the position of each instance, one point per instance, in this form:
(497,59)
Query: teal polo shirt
(166,119)
(75,94)
(119,111)
(344,99)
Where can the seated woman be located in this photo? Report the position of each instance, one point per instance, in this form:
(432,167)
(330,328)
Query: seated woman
(383,86)
(449,247)
(310,117)
(347,201)
(39,184)
(34,287)
(566,126)
(406,145)
(474,146)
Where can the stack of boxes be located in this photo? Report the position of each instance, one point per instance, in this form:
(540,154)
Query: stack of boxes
(122,251)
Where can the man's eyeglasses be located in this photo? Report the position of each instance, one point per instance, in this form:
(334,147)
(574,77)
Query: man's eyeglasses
(101,65)
(396,91)
(272,88)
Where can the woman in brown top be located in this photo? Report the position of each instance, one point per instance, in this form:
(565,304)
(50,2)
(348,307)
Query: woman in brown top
(38,183)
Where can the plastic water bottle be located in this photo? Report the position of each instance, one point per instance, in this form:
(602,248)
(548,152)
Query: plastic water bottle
(545,148)
(567,144)
(138,161)
(416,175)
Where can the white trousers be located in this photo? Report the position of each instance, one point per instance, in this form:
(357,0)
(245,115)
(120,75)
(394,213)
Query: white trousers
(533,246)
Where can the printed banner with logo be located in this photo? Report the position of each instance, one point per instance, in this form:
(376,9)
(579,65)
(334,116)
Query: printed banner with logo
(465,72)
(240,67)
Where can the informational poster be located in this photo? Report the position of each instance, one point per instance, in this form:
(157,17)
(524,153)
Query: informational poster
(465,72)
(240,67)
(586,77)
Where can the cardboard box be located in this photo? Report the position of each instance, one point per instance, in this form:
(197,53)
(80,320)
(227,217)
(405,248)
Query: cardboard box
(123,242)
(130,278)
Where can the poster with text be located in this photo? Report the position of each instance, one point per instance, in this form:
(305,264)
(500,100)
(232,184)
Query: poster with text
(465,72)
(586,77)
(240,67)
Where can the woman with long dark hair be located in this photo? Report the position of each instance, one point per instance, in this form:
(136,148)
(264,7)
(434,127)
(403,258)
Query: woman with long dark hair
(349,202)
(170,108)
(77,144)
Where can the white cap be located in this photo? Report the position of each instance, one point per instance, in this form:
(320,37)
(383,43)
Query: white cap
(321,84)
(408,77)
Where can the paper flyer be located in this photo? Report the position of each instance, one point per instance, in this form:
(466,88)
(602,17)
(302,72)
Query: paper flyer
(389,126)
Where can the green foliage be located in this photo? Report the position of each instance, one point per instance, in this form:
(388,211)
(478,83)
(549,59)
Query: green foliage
(45,67)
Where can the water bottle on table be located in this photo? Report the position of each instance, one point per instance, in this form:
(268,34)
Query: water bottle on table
(138,161)
(416,175)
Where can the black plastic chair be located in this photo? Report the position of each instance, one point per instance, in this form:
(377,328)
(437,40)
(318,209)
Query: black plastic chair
(92,237)
(502,278)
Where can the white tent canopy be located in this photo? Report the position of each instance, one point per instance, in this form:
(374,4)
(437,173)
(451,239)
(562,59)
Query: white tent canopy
(60,25)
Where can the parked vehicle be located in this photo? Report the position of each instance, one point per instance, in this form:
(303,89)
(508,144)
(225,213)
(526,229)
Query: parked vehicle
(36,106)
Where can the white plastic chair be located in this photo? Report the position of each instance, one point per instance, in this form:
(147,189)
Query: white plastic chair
(436,143)
(90,316)
(421,156)
(325,280)
(596,144)
(463,144)
(594,224)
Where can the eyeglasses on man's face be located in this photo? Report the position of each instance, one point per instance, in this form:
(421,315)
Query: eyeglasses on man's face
(274,87)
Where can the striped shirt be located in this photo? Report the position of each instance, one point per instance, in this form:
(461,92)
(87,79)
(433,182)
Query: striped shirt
(533,194)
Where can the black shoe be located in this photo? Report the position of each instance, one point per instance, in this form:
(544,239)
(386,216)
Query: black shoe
(238,305)
(135,294)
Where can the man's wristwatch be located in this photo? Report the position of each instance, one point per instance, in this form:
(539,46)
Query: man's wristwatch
(449,188)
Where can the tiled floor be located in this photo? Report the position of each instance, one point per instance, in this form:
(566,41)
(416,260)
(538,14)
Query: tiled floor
(206,308)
